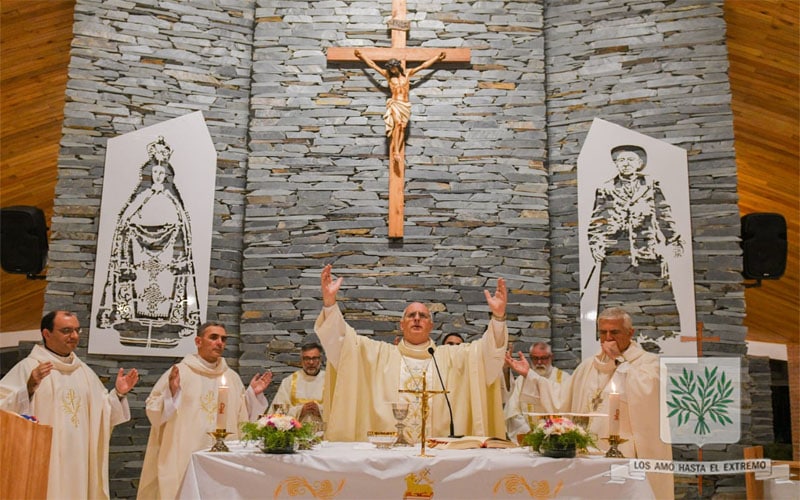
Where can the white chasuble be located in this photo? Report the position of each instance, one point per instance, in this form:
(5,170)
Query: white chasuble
(520,402)
(363,379)
(176,433)
(637,381)
(81,411)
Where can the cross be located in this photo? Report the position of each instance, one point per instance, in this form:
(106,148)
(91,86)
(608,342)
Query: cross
(699,339)
(424,394)
(399,26)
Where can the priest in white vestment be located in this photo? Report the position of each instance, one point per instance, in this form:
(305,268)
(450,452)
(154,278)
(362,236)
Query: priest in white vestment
(184,406)
(61,391)
(522,402)
(635,375)
(364,376)
(302,390)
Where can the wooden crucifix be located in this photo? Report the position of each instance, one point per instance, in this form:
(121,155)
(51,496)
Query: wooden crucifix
(398,106)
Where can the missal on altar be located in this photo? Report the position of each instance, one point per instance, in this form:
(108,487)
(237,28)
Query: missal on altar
(469,442)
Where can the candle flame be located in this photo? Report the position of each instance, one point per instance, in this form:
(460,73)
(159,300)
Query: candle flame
(222,382)
(613,388)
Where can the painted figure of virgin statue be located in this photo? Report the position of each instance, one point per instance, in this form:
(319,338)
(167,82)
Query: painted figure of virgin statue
(150,295)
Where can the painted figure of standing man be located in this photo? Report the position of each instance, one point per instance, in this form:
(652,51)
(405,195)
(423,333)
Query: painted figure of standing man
(631,234)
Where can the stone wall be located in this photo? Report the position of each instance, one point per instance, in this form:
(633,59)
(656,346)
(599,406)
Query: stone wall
(302,174)
(134,64)
(476,186)
(761,390)
(659,68)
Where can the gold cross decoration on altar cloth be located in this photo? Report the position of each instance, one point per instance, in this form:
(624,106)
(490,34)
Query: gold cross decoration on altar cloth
(398,107)
(423,393)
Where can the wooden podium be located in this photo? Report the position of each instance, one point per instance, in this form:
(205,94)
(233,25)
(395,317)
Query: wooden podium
(24,457)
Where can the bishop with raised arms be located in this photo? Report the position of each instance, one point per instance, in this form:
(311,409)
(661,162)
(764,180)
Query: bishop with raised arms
(364,376)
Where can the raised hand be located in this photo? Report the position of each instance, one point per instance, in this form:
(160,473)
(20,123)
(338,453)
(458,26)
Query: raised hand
(497,302)
(126,382)
(174,380)
(329,287)
(259,382)
(611,349)
(521,365)
(37,375)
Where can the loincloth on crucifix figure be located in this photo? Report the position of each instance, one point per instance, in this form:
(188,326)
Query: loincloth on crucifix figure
(398,114)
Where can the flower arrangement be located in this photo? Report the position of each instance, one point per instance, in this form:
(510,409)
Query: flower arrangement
(277,433)
(558,434)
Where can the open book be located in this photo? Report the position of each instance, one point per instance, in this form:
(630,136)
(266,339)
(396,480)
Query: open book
(469,442)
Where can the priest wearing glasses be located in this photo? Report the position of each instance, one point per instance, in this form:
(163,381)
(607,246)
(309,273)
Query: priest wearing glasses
(364,376)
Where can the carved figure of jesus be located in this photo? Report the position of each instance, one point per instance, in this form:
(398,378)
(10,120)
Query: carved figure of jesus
(398,107)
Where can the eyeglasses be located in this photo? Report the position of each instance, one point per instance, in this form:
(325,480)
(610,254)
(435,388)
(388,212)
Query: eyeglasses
(539,359)
(69,330)
(311,358)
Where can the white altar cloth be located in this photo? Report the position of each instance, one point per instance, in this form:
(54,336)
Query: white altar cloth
(359,471)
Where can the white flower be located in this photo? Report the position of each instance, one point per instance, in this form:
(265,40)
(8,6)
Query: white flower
(282,422)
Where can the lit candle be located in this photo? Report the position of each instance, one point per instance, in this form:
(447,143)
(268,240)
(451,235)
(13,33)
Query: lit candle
(613,412)
(222,400)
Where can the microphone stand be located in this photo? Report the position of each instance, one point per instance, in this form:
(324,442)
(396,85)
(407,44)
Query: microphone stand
(447,399)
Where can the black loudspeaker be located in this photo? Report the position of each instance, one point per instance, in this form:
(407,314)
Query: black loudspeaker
(23,240)
(765,245)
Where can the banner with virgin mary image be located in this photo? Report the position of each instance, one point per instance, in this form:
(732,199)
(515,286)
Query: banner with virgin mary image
(154,243)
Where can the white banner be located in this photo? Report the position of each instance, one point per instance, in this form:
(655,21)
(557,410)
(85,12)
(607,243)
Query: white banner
(635,238)
(154,243)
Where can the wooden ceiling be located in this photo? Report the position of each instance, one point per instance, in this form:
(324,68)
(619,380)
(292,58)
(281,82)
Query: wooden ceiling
(35,37)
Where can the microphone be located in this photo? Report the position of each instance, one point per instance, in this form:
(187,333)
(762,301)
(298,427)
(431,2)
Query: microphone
(449,408)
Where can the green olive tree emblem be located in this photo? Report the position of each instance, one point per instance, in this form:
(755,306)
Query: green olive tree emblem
(704,396)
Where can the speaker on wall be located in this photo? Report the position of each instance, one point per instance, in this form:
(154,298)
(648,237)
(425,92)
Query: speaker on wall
(23,240)
(764,245)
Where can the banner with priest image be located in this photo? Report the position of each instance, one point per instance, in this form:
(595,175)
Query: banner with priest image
(635,238)
(154,243)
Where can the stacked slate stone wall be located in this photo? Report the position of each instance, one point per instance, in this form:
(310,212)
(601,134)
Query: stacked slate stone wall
(760,390)
(659,68)
(136,64)
(476,186)
(302,176)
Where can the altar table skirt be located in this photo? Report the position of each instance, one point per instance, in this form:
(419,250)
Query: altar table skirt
(360,471)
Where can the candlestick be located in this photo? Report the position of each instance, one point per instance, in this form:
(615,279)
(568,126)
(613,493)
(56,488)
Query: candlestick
(613,412)
(222,401)
(613,451)
(219,436)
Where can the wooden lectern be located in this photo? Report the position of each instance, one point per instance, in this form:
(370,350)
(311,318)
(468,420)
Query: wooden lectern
(24,457)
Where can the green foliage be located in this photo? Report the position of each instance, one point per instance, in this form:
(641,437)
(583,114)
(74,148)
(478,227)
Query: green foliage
(703,397)
(276,432)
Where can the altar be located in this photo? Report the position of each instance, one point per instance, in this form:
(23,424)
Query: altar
(359,470)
